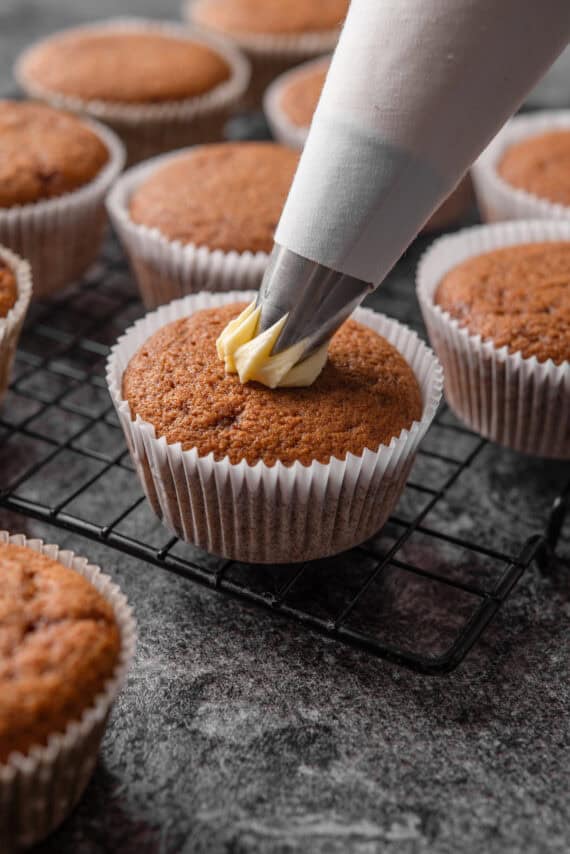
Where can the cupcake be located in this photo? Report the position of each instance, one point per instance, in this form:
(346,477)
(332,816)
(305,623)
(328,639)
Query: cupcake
(274,35)
(159,86)
(496,302)
(289,104)
(271,476)
(15,294)
(55,170)
(525,172)
(66,638)
(202,218)
(291,100)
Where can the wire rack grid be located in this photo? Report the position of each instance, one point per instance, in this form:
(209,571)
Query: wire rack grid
(415,594)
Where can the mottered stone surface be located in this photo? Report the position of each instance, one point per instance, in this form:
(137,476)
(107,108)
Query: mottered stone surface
(240,732)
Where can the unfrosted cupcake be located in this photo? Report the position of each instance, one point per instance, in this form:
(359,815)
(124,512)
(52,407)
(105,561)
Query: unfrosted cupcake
(160,86)
(496,301)
(264,475)
(289,104)
(525,171)
(202,218)
(15,294)
(273,34)
(54,172)
(66,638)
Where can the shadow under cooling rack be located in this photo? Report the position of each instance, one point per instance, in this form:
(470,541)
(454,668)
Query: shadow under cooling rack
(419,594)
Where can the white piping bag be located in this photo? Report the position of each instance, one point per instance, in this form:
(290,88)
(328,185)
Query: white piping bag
(415,90)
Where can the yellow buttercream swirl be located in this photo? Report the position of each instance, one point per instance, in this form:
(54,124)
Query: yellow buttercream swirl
(249,355)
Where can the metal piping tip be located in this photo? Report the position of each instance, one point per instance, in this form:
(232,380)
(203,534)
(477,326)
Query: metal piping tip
(316,299)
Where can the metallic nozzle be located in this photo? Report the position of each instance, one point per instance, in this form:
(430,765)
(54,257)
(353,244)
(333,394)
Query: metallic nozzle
(315,298)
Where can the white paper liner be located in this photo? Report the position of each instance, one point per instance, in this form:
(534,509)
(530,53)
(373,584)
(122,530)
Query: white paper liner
(282,128)
(166,269)
(271,514)
(521,403)
(61,237)
(150,129)
(11,324)
(497,199)
(40,789)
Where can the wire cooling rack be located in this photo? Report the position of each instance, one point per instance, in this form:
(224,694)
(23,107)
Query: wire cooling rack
(414,594)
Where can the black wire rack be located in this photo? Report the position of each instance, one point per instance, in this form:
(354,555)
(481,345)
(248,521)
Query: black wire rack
(63,460)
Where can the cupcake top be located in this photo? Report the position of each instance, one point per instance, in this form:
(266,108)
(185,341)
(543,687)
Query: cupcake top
(227,196)
(540,165)
(44,153)
(365,395)
(270,16)
(59,644)
(300,97)
(125,66)
(517,297)
(8,289)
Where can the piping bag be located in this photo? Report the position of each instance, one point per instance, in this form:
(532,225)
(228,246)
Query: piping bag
(415,90)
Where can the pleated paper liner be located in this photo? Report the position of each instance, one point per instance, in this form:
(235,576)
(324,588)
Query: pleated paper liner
(520,403)
(272,514)
(40,789)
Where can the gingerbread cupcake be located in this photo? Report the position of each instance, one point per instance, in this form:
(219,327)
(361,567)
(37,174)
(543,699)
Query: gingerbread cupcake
(159,86)
(496,302)
(265,475)
(274,35)
(66,638)
(55,170)
(202,218)
(15,295)
(525,171)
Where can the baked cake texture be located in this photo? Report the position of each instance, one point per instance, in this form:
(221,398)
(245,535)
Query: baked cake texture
(125,66)
(365,395)
(59,644)
(44,153)
(227,196)
(540,165)
(518,297)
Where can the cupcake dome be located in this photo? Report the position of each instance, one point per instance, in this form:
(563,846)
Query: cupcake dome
(45,153)
(130,67)
(226,196)
(274,35)
(540,165)
(365,395)
(270,16)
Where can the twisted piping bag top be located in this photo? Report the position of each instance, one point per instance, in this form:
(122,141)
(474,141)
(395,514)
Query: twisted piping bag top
(415,90)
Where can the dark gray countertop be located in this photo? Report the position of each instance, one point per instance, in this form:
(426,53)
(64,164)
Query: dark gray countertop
(240,732)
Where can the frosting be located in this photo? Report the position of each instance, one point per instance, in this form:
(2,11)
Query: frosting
(249,355)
